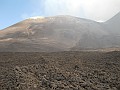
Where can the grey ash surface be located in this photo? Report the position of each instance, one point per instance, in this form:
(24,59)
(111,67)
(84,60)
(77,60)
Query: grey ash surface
(60,71)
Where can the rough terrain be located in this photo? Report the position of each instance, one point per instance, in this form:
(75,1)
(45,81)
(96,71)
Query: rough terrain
(60,71)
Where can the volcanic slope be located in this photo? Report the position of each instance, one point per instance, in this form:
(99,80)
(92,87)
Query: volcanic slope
(58,33)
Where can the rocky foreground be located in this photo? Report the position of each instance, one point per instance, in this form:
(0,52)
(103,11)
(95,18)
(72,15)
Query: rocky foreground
(60,71)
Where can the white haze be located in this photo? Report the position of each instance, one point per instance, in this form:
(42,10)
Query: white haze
(98,10)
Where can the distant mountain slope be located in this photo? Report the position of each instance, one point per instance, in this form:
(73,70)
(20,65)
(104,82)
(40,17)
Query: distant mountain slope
(113,24)
(58,33)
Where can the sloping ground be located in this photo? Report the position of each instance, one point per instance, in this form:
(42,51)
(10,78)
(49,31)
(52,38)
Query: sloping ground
(60,71)
(60,33)
(113,24)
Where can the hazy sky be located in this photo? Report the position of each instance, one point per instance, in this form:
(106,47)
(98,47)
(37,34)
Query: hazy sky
(12,11)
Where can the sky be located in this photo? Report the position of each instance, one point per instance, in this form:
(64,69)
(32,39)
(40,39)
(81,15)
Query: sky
(13,11)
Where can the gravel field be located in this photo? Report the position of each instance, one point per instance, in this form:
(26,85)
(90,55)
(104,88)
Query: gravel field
(60,71)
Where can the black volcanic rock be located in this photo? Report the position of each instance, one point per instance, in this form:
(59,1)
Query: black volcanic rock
(60,71)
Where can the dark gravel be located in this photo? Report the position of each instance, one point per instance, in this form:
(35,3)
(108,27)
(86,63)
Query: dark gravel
(60,71)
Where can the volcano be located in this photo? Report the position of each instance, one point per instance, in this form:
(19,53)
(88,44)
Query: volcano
(59,33)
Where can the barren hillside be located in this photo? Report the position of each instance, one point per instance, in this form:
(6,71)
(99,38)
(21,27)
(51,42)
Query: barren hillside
(59,33)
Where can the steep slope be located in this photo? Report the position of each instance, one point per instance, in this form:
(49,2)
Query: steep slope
(113,24)
(58,33)
(111,40)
